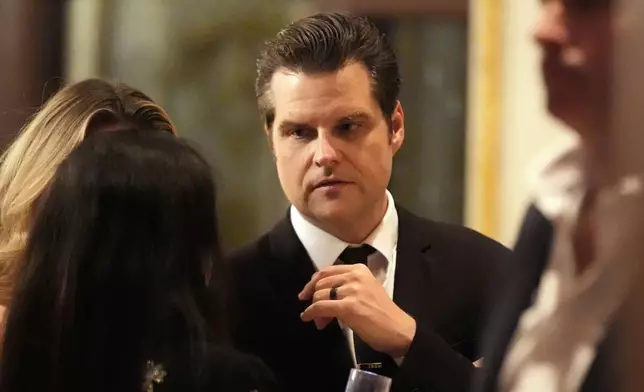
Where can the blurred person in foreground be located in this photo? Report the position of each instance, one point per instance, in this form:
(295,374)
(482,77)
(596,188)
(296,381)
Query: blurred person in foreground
(121,287)
(555,329)
(348,277)
(28,165)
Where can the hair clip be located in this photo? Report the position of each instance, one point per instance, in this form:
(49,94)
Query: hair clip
(154,374)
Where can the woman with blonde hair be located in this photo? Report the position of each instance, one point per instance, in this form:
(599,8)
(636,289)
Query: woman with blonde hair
(29,164)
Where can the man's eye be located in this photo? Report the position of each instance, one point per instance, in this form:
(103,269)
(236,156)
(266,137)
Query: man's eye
(347,127)
(301,133)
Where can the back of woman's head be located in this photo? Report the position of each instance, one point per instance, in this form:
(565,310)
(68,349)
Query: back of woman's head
(120,267)
(26,168)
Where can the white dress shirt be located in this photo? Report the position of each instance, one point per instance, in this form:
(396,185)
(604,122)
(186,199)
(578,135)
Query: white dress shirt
(324,250)
(556,339)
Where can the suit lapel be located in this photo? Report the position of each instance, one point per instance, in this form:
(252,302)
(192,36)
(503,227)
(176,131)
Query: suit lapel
(292,269)
(412,265)
(423,274)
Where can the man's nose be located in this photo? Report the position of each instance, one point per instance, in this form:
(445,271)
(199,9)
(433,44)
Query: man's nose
(326,153)
(551,27)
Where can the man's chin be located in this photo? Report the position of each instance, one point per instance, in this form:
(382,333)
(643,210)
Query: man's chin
(574,117)
(561,108)
(332,211)
(331,214)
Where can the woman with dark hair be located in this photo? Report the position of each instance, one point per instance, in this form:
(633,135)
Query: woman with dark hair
(120,270)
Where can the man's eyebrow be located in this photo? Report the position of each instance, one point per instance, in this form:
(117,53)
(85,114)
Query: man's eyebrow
(288,125)
(356,116)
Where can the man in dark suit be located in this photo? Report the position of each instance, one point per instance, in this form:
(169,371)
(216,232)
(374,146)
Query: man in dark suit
(554,330)
(348,278)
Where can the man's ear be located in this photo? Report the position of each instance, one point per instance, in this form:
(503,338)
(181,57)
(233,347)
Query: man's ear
(269,139)
(397,128)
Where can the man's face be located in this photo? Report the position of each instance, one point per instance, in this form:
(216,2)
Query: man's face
(576,39)
(332,144)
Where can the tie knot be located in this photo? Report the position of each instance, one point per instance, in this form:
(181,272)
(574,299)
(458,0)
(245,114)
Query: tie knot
(356,254)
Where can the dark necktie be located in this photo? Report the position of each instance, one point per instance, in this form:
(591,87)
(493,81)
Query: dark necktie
(367,358)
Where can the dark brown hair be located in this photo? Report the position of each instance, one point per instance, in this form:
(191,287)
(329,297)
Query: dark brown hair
(122,265)
(326,42)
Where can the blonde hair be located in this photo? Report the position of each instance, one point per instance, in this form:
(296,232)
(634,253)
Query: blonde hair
(28,165)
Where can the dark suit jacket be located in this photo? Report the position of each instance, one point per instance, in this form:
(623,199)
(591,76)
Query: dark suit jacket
(531,252)
(442,279)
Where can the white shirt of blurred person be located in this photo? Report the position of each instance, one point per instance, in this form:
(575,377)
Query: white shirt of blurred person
(580,290)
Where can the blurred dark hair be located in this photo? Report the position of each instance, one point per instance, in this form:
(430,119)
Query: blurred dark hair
(326,42)
(122,266)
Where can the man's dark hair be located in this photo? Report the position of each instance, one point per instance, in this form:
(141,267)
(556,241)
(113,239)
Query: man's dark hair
(326,42)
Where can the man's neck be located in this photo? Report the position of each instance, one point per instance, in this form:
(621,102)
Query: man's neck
(599,172)
(599,165)
(356,231)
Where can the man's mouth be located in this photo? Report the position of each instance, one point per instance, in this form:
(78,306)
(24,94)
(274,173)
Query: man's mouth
(329,183)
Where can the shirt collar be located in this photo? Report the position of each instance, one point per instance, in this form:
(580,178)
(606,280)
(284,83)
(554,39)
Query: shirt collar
(560,184)
(324,249)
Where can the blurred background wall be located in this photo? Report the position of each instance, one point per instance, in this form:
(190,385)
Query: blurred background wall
(509,131)
(471,91)
(527,131)
(31,59)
